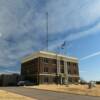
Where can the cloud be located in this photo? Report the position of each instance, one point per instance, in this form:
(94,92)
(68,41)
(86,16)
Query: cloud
(23,25)
(77,34)
(83,71)
(72,23)
(0,34)
(9,72)
(90,56)
(68,15)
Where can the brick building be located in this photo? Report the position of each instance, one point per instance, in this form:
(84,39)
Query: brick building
(47,67)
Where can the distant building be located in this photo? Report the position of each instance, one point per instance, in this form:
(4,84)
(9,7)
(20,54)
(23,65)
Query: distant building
(50,68)
(9,79)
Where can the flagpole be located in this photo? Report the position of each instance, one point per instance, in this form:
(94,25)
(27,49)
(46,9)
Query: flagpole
(47,30)
(65,64)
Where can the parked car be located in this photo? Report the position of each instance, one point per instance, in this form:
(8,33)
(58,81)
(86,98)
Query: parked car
(24,83)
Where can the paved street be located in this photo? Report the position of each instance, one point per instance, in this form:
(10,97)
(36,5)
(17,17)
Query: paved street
(46,95)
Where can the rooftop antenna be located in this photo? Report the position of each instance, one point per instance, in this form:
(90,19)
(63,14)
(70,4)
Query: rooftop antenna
(47,30)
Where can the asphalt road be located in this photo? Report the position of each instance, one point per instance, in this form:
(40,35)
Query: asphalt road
(46,95)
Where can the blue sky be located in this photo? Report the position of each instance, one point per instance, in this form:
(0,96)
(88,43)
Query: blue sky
(23,31)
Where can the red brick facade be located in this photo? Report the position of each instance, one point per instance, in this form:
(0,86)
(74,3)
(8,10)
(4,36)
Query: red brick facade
(44,70)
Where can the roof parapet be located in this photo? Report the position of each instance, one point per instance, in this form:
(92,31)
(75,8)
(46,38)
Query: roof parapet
(48,55)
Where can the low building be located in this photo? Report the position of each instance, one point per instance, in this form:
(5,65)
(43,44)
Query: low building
(9,79)
(47,67)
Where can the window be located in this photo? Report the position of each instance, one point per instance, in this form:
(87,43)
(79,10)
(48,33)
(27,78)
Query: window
(68,67)
(73,64)
(27,71)
(68,63)
(62,62)
(45,69)
(62,70)
(41,59)
(75,72)
(76,79)
(46,60)
(54,79)
(54,61)
(54,70)
(69,71)
(70,79)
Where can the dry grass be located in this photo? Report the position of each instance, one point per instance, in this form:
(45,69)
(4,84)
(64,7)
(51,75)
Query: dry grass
(4,95)
(76,89)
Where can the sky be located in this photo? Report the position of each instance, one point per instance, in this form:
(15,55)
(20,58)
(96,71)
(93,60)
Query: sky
(23,31)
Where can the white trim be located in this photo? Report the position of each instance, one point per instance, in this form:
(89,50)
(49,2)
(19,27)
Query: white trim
(48,74)
(48,55)
(73,76)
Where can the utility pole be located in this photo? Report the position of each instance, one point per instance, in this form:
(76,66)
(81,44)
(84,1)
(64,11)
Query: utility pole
(47,30)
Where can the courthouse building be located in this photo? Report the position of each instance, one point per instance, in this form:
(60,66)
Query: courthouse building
(49,68)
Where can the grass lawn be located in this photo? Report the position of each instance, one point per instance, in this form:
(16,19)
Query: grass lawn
(4,95)
(76,89)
